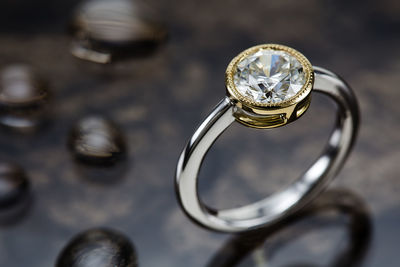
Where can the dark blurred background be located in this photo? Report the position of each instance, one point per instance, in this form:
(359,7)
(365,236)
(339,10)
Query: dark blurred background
(157,99)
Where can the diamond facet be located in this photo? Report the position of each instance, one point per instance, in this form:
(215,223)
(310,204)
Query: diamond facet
(269,76)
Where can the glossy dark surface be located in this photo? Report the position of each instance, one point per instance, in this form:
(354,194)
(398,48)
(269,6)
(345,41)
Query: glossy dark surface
(98,248)
(334,208)
(159,99)
(13,185)
(24,98)
(104,31)
(96,140)
(15,199)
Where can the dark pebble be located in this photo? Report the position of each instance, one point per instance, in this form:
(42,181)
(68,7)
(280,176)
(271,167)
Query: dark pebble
(96,140)
(23,98)
(14,186)
(106,30)
(98,248)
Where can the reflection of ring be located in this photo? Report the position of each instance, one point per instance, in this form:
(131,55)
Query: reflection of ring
(268,86)
(317,215)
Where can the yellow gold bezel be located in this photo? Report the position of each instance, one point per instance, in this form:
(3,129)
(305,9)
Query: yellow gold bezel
(256,114)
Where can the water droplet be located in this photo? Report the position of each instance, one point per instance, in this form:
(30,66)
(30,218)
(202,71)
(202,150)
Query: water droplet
(98,248)
(96,140)
(23,98)
(106,30)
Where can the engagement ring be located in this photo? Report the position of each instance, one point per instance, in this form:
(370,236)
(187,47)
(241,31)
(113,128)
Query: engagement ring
(268,86)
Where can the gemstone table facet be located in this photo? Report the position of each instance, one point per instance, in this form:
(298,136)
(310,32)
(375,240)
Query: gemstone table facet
(269,76)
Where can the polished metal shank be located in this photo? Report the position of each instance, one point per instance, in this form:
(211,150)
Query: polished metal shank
(279,205)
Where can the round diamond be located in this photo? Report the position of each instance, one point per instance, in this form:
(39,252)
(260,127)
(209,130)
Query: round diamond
(269,76)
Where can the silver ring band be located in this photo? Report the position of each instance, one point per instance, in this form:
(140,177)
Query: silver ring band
(279,205)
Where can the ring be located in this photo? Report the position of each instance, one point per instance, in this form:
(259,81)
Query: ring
(268,86)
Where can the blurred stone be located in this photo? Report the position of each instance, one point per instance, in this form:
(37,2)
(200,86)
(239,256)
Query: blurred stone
(98,248)
(97,140)
(23,98)
(105,30)
(14,185)
(14,193)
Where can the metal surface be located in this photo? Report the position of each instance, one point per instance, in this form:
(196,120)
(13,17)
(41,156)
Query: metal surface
(273,208)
